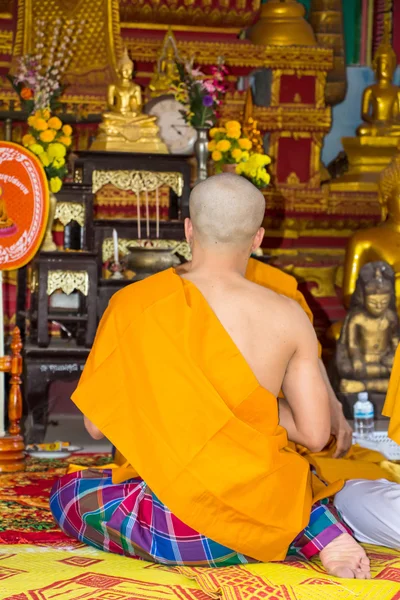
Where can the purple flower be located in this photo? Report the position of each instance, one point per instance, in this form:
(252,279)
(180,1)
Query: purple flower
(208,101)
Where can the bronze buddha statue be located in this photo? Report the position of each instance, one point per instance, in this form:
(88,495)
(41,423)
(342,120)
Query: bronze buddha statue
(377,243)
(124,127)
(370,332)
(381,101)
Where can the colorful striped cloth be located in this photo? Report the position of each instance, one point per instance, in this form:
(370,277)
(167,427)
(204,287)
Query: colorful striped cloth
(129,519)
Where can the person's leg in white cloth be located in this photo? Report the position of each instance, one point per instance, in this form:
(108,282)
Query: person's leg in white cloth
(372,510)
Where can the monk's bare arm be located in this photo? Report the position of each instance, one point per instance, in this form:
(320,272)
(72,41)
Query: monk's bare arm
(92,430)
(304,387)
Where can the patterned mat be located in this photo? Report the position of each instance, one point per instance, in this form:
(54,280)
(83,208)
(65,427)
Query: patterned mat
(38,562)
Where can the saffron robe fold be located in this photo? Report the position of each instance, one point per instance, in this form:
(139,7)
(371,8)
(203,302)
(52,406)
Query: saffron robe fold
(168,387)
(392,403)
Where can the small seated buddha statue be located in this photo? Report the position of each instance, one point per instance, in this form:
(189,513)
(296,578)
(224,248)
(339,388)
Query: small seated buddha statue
(381,242)
(378,138)
(381,101)
(370,333)
(124,127)
(165,72)
(6,224)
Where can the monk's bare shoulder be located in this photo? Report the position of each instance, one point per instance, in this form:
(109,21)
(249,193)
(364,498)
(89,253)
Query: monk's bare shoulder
(282,311)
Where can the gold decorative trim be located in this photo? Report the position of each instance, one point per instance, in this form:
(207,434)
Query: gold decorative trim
(138,181)
(6,41)
(67,282)
(239,54)
(6,16)
(70,211)
(124,245)
(191,28)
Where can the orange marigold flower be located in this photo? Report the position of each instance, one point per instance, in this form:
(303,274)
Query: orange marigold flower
(67,130)
(65,140)
(26,93)
(40,124)
(28,140)
(48,135)
(55,123)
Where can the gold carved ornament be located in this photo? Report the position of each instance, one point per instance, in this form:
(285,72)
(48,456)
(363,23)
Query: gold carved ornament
(323,277)
(67,282)
(70,211)
(138,181)
(124,245)
(239,54)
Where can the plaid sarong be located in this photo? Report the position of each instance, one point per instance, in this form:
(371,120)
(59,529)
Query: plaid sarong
(129,519)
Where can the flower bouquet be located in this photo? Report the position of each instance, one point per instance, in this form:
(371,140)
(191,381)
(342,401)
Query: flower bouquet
(201,95)
(37,79)
(49,139)
(229,145)
(254,169)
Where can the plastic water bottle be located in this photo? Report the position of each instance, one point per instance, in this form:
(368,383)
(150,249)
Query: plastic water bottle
(364,426)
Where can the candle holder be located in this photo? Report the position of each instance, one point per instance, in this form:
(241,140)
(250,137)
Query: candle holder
(116,269)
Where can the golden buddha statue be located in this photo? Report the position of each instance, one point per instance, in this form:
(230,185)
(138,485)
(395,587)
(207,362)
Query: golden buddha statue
(124,127)
(378,138)
(6,224)
(165,71)
(381,101)
(377,243)
(370,333)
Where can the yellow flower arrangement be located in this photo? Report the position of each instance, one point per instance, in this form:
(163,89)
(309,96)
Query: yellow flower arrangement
(228,145)
(254,169)
(49,139)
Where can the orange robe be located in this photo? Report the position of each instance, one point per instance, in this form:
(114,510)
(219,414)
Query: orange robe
(168,387)
(392,404)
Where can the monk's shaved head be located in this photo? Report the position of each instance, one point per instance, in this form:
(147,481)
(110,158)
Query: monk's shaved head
(226,209)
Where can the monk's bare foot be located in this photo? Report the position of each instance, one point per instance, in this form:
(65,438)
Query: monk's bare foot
(344,557)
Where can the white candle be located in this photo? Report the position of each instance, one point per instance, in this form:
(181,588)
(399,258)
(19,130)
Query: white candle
(139,227)
(147,216)
(115,242)
(2,394)
(157,215)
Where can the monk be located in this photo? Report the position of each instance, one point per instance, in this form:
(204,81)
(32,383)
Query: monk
(183,379)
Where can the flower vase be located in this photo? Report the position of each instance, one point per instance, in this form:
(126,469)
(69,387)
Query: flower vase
(201,152)
(229,168)
(48,244)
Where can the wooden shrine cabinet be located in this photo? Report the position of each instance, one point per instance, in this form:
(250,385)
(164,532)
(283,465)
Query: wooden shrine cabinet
(69,289)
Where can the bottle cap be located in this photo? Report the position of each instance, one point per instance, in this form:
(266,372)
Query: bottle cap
(363,396)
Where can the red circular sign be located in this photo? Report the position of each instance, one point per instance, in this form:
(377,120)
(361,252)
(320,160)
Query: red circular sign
(24,205)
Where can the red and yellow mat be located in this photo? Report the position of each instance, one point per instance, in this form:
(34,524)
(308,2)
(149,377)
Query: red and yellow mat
(38,562)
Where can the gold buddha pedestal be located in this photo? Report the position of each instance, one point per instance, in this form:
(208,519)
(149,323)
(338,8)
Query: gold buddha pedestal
(378,138)
(125,128)
(370,333)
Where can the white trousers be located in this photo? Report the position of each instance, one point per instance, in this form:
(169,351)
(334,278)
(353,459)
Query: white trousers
(372,510)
